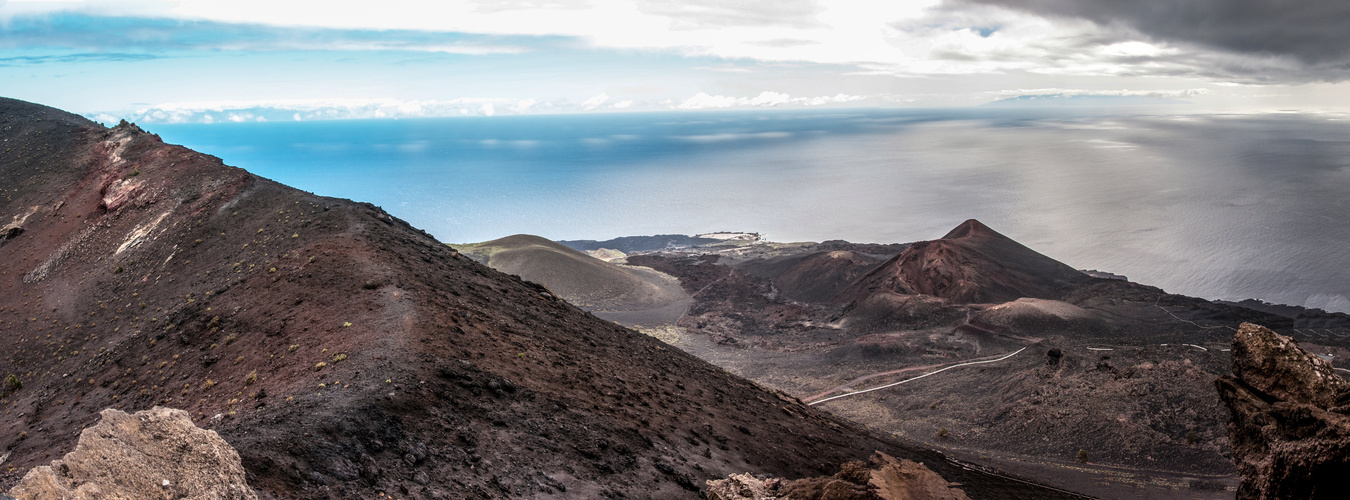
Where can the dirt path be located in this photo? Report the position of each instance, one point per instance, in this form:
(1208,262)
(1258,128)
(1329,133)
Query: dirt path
(854,393)
(845,385)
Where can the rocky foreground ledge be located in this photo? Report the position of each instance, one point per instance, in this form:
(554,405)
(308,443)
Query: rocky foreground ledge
(1290,426)
(883,477)
(153,454)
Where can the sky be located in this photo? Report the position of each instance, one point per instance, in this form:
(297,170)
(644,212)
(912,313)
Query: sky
(161,61)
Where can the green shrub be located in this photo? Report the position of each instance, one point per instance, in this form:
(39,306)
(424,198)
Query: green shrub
(12,383)
(1082,456)
(942,433)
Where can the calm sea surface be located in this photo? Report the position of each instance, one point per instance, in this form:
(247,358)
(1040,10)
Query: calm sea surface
(1214,206)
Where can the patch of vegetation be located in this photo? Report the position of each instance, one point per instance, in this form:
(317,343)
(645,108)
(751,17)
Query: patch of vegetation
(320,366)
(1082,456)
(1192,438)
(251,378)
(942,433)
(339,357)
(11,383)
(208,384)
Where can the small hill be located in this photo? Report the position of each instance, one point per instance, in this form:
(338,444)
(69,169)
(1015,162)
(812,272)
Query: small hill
(581,279)
(970,264)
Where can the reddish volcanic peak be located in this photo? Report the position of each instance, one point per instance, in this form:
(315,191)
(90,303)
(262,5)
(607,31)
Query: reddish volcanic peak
(972,228)
(971,264)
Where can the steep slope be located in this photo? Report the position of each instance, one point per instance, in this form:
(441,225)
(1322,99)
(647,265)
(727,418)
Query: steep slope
(343,353)
(971,264)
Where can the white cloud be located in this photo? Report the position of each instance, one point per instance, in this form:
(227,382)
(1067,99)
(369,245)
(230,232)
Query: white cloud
(595,102)
(103,118)
(315,109)
(524,105)
(764,99)
(904,38)
(702,100)
(768,98)
(623,104)
(1173,94)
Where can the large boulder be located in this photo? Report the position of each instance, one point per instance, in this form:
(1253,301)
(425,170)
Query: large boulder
(1289,426)
(882,478)
(153,454)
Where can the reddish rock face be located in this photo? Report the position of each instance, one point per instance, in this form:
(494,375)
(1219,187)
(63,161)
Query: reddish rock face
(1290,428)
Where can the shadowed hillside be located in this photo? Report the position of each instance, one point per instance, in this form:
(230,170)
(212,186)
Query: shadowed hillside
(814,277)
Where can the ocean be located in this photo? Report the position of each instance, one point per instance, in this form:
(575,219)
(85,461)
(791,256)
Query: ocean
(1215,206)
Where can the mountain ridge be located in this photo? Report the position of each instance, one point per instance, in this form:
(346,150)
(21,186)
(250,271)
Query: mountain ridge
(344,353)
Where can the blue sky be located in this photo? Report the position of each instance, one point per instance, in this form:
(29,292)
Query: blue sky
(193,61)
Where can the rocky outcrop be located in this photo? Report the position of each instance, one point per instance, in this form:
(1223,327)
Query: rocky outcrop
(1289,426)
(153,454)
(746,487)
(883,478)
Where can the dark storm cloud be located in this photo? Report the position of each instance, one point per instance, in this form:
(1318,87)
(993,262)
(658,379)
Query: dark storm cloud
(1314,32)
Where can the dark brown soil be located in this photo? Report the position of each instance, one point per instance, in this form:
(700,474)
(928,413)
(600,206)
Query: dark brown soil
(346,354)
(814,276)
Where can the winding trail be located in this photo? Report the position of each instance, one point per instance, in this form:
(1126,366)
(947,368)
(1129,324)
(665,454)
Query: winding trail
(1197,325)
(863,378)
(968,363)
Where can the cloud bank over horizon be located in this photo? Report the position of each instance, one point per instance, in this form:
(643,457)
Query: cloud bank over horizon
(411,58)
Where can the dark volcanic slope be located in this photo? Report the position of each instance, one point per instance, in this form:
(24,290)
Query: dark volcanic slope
(971,264)
(342,352)
(813,277)
(579,278)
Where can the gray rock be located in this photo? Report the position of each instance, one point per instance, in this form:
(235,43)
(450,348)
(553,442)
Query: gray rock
(157,453)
